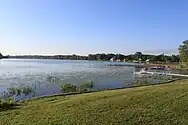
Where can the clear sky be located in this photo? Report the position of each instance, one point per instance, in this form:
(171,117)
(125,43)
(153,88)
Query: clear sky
(92,26)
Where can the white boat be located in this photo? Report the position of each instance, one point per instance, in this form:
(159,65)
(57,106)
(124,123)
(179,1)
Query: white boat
(155,70)
(112,60)
(143,71)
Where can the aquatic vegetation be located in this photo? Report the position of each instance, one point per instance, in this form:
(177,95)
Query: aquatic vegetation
(12,91)
(7,98)
(84,87)
(141,82)
(87,85)
(27,90)
(67,88)
(152,79)
(46,76)
(18,91)
(53,79)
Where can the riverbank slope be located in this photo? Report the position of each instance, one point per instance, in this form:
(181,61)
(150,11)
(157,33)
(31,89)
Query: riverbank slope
(158,104)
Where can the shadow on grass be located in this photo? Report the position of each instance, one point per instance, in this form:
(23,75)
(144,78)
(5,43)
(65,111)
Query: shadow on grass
(7,106)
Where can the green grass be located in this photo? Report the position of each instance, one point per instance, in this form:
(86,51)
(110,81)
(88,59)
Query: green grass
(165,104)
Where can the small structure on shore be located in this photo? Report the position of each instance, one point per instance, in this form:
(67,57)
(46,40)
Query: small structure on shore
(112,60)
(118,60)
(147,61)
(155,70)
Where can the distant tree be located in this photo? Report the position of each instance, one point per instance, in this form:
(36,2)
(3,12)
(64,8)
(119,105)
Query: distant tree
(120,56)
(130,57)
(109,56)
(174,58)
(177,58)
(73,57)
(160,58)
(100,56)
(138,55)
(92,57)
(1,56)
(183,50)
(153,58)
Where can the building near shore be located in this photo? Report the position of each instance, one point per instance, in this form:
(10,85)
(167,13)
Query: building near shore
(147,61)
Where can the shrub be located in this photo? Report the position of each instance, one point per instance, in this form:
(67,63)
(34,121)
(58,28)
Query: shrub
(183,65)
(67,88)
(7,104)
(87,85)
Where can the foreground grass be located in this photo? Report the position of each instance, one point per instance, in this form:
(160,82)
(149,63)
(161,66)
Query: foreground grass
(165,104)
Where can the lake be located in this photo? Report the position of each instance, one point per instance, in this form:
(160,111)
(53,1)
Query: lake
(46,76)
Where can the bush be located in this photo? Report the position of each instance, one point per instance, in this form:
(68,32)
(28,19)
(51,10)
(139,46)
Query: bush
(84,87)
(183,65)
(87,85)
(7,104)
(67,88)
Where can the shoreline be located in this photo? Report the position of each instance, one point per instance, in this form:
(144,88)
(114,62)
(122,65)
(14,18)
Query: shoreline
(174,70)
(160,103)
(111,89)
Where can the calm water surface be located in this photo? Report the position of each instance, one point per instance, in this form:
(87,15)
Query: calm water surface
(46,76)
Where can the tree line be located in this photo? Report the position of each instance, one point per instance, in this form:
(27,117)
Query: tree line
(138,56)
(62,57)
(182,57)
(1,56)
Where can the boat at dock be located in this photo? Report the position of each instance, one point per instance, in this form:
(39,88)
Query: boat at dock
(163,70)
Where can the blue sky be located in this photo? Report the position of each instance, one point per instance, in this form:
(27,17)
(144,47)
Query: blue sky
(92,26)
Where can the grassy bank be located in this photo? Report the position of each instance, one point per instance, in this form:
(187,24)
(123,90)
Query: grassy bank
(158,104)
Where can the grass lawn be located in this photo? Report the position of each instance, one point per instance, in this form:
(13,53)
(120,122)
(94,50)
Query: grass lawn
(165,104)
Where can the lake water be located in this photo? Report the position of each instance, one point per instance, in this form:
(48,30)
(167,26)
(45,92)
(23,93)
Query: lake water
(46,76)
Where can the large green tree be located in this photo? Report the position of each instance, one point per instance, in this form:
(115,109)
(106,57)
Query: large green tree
(183,50)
